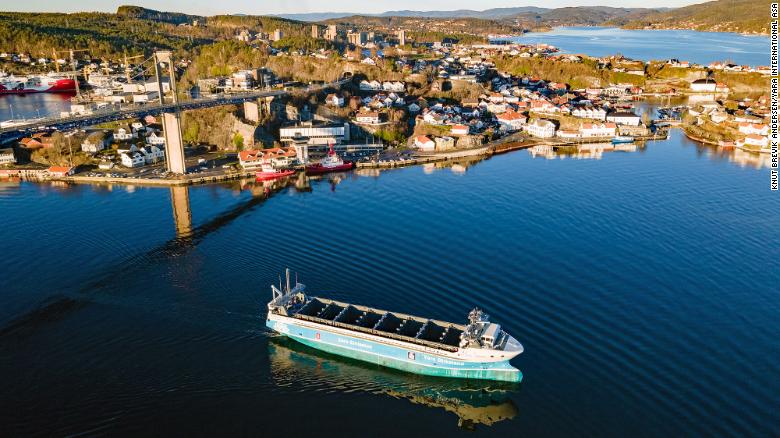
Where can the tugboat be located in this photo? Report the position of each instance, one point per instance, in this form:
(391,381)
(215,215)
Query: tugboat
(268,172)
(479,349)
(331,163)
(620,139)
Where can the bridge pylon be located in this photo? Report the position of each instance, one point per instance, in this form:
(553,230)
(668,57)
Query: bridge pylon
(171,121)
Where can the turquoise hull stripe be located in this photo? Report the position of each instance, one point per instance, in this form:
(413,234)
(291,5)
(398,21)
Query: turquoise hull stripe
(396,357)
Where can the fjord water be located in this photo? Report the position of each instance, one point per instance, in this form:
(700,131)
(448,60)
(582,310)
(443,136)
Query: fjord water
(642,285)
(687,45)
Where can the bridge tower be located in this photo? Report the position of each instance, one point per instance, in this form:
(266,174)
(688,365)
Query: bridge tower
(171,121)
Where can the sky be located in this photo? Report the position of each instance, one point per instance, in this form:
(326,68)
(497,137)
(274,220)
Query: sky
(264,7)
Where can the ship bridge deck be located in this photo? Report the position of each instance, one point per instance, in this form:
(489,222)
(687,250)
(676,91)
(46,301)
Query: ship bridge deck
(421,331)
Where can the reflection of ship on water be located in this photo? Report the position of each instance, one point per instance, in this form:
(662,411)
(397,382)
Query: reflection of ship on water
(585,151)
(457,166)
(474,402)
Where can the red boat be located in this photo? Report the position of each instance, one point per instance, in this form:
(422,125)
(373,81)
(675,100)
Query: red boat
(331,163)
(51,83)
(269,173)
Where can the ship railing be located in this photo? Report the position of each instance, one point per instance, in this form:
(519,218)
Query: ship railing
(383,334)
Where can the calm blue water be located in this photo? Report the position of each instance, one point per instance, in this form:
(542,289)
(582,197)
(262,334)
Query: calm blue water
(643,286)
(699,47)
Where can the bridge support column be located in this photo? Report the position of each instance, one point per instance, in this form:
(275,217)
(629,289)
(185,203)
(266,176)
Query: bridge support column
(174,145)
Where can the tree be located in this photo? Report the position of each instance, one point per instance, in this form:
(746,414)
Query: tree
(238,141)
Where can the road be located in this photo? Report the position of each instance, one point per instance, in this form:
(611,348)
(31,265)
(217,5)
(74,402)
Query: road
(96,118)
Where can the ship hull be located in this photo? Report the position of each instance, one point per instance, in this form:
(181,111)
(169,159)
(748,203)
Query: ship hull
(319,170)
(268,176)
(405,357)
(52,86)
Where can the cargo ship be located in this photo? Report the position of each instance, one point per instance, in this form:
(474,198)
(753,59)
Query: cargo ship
(476,350)
(51,83)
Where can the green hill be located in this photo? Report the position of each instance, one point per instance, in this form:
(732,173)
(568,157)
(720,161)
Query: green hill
(743,16)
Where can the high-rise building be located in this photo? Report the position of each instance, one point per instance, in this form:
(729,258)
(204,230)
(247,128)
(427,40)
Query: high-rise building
(401,37)
(331,33)
(277,35)
(357,38)
(315,31)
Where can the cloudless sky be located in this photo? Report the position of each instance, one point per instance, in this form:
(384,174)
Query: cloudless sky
(261,7)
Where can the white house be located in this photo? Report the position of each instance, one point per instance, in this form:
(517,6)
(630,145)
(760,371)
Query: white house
(424,143)
(511,121)
(598,129)
(155,139)
(395,86)
(334,100)
(459,129)
(370,117)
(7,156)
(123,134)
(624,118)
(132,159)
(589,113)
(152,154)
(541,128)
(754,140)
(94,143)
(754,128)
(704,85)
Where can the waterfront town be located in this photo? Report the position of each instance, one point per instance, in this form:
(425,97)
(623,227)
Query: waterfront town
(372,100)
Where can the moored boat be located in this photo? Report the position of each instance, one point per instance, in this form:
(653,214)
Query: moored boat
(331,163)
(476,350)
(51,83)
(268,172)
(620,139)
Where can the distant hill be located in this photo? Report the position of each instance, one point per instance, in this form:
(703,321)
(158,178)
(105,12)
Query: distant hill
(150,14)
(468,13)
(570,16)
(586,15)
(744,16)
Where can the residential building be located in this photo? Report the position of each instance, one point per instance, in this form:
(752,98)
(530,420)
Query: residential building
(753,141)
(332,32)
(334,100)
(444,143)
(424,143)
(277,35)
(253,159)
(7,156)
(704,85)
(154,139)
(95,142)
(124,133)
(401,37)
(754,128)
(541,128)
(370,117)
(511,121)
(589,130)
(132,159)
(152,154)
(589,113)
(459,129)
(60,171)
(624,118)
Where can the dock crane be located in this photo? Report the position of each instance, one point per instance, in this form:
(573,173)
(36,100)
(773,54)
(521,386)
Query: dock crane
(70,52)
(127,65)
